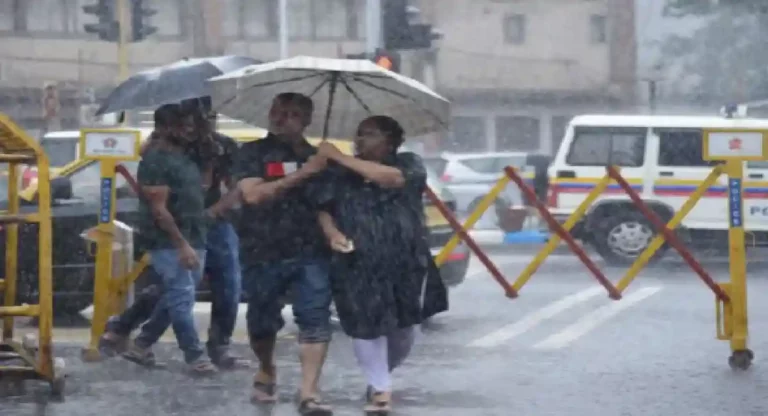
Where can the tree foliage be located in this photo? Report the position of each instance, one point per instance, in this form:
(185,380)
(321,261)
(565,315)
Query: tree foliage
(726,58)
(680,8)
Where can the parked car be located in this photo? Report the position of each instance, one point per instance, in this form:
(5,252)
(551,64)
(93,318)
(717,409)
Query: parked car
(470,176)
(75,192)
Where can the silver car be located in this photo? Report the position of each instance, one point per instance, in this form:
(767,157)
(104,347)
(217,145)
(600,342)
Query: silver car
(470,177)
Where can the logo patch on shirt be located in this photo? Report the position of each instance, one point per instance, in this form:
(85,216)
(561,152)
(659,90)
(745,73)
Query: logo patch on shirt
(278,169)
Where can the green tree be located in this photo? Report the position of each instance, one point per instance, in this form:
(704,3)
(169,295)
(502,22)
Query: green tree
(726,59)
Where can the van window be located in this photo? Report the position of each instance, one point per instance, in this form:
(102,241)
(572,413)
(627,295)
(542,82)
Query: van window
(605,146)
(680,147)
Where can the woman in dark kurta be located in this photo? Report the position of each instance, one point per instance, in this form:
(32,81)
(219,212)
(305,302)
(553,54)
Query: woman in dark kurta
(372,214)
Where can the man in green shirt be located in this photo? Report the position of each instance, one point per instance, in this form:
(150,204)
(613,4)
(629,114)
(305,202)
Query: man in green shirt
(172,225)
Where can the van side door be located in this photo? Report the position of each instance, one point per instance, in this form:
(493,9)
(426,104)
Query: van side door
(680,168)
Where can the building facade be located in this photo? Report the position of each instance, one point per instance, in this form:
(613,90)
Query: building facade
(516,70)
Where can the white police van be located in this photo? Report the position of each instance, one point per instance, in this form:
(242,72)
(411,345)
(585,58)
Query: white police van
(661,157)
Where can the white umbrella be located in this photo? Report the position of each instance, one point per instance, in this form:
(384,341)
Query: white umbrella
(344,91)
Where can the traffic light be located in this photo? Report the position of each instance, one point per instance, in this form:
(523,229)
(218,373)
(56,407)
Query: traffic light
(108,27)
(399,32)
(383,58)
(140,27)
(387,60)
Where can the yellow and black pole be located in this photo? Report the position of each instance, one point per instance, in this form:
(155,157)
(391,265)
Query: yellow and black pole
(741,357)
(735,146)
(108,147)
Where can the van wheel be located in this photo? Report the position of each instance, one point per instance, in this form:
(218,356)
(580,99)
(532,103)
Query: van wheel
(622,237)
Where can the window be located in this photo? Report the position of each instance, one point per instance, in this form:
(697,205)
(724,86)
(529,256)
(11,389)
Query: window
(514,28)
(86,182)
(51,16)
(60,152)
(481,165)
(559,126)
(168,19)
(467,134)
(8,13)
(500,163)
(259,18)
(436,164)
(598,32)
(605,146)
(316,19)
(517,133)
(680,147)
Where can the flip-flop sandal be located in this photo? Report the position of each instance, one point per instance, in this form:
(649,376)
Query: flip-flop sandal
(264,393)
(203,368)
(146,360)
(312,406)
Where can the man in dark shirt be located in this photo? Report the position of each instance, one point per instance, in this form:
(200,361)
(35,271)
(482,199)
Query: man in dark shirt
(172,226)
(281,245)
(214,154)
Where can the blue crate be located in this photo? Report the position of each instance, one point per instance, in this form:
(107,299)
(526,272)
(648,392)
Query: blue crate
(526,237)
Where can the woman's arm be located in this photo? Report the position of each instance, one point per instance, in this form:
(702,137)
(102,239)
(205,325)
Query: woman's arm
(383,175)
(336,239)
(328,225)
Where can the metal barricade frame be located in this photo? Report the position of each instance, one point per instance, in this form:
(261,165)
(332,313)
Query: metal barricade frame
(37,357)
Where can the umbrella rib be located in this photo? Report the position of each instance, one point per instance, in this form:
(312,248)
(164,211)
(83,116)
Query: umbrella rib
(397,94)
(267,84)
(355,95)
(334,80)
(321,85)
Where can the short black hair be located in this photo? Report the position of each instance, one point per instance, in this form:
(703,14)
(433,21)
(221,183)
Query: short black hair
(168,115)
(392,130)
(302,101)
(201,105)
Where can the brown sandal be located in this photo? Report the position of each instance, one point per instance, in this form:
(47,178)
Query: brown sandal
(312,406)
(379,404)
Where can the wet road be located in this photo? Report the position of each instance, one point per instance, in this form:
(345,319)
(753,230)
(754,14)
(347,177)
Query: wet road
(562,348)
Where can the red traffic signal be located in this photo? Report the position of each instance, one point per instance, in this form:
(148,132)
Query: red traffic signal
(387,60)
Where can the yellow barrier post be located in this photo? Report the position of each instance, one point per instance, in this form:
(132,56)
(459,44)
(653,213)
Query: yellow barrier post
(658,241)
(551,245)
(735,146)
(108,147)
(473,218)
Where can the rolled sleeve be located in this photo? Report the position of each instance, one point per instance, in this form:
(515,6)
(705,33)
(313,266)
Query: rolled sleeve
(414,172)
(152,170)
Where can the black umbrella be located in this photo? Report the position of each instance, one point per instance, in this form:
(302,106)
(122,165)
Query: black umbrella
(172,83)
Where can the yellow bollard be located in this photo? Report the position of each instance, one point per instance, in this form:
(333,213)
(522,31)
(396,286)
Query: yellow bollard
(473,218)
(741,357)
(108,147)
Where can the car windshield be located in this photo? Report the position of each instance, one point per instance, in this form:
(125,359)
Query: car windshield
(60,151)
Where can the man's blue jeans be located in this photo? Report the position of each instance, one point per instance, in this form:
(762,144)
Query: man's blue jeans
(222,264)
(176,304)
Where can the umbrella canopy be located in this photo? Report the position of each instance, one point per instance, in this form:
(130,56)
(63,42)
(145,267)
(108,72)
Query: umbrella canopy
(171,83)
(344,91)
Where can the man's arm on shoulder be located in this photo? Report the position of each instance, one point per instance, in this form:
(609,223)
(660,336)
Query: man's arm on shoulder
(250,172)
